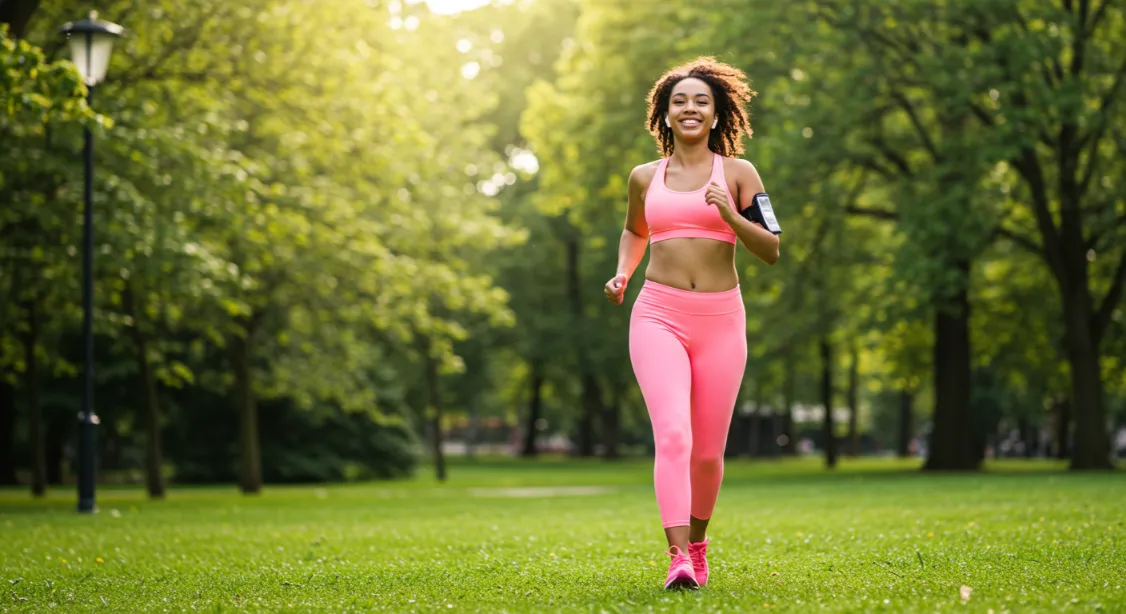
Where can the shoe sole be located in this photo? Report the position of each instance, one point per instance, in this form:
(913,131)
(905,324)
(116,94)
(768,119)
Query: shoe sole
(682,581)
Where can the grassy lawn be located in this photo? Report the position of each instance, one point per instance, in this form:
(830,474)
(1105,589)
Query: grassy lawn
(568,536)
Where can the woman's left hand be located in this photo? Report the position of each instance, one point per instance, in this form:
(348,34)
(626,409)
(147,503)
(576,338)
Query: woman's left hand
(717,197)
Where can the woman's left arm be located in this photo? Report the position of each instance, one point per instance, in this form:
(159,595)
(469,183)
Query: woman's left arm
(760,241)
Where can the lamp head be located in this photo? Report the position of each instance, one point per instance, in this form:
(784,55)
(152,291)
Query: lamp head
(91,43)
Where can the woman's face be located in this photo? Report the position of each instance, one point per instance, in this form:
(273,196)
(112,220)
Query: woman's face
(691,109)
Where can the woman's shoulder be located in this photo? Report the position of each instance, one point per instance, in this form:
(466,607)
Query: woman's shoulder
(735,164)
(742,171)
(642,174)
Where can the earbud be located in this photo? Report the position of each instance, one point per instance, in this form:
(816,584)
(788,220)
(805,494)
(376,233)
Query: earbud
(715,123)
(667,122)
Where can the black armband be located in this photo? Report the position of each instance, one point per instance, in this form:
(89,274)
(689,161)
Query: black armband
(760,212)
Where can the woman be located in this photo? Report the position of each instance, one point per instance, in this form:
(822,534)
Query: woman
(687,337)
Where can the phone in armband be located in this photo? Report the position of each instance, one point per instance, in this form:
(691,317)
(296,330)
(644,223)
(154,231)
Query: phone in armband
(762,213)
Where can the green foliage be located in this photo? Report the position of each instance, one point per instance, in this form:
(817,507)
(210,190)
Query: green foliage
(347,188)
(41,102)
(249,189)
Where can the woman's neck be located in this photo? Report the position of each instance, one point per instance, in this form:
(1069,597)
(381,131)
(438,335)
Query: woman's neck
(692,154)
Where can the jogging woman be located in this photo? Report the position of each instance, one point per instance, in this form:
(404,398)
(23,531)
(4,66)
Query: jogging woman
(687,336)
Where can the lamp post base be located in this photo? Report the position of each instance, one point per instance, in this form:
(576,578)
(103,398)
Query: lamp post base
(87,442)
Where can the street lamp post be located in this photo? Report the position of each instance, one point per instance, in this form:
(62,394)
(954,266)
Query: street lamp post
(91,43)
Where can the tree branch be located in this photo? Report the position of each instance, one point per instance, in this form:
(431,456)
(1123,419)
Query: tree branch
(1104,106)
(853,209)
(1029,168)
(854,193)
(982,114)
(200,76)
(1100,12)
(917,123)
(1020,100)
(182,40)
(890,44)
(899,161)
(1110,301)
(1079,45)
(872,164)
(879,214)
(1046,139)
(1095,241)
(1020,240)
(1053,83)
(870,34)
(1093,160)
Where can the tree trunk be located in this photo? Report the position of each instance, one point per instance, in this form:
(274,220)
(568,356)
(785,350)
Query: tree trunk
(591,392)
(435,403)
(790,445)
(987,421)
(1092,443)
(827,401)
(7,434)
(1027,437)
(439,456)
(471,431)
(1083,323)
(952,446)
(58,433)
(535,410)
(250,478)
(17,14)
(754,426)
(1065,250)
(853,410)
(611,431)
(592,406)
(154,477)
(906,428)
(775,434)
(31,375)
(1063,428)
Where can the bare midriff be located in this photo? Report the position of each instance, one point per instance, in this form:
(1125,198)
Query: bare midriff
(695,264)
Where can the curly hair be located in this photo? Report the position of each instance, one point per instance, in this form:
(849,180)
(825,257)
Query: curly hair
(731,90)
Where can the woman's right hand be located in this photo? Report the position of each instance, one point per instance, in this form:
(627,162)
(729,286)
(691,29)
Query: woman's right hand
(616,288)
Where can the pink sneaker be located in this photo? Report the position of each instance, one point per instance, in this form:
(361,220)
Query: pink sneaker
(681,573)
(698,552)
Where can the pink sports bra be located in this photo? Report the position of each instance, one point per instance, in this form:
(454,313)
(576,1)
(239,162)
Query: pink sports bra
(673,215)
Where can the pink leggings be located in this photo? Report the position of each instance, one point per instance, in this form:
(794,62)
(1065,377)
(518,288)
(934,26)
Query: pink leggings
(689,351)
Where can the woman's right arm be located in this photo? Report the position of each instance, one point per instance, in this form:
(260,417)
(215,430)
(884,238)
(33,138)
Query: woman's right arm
(635,234)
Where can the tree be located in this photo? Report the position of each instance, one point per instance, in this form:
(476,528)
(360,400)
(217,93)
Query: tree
(286,219)
(1064,101)
(1043,107)
(38,100)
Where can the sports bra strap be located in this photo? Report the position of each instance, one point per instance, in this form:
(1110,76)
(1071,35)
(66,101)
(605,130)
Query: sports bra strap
(717,171)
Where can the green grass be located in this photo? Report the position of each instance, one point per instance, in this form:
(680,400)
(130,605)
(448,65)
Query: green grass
(872,536)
